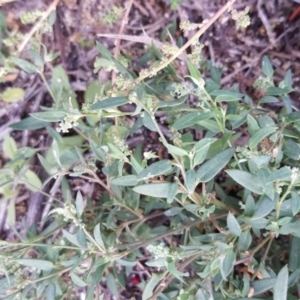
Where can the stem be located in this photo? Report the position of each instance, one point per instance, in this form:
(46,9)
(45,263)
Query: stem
(203,28)
(279,203)
(38,24)
(47,86)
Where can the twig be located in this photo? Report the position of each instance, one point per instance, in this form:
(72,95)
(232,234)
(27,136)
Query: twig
(38,24)
(118,41)
(265,21)
(195,38)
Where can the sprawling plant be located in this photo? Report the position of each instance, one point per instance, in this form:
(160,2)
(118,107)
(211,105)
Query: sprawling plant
(200,218)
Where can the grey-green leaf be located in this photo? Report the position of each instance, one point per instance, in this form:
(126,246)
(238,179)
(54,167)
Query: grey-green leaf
(50,116)
(233,225)
(212,167)
(191,119)
(77,280)
(158,190)
(127,180)
(158,168)
(246,180)
(98,236)
(24,65)
(41,264)
(281,284)
(109,103)
(260,135)
(29,123)
(267,66)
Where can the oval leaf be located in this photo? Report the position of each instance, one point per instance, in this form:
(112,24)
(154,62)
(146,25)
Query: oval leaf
(36,263)
(212,167)
(13,95)
(246,180)
(159,190)
(158,168)
(109,103)
(128,180)
(233,225)
(260,135)
(281,284)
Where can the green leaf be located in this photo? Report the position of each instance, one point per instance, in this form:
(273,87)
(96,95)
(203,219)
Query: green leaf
(24,65)
(263,207)
(96,277)
(40,264)
(281,284)
(213,166)
(263,285)
(127,180)
(98,152)
(267,66)
(291,149)
(158,168)
(282,174)
(201,149)
(33,183)
(29,123)
(191,119)
(252,125)
(77,280)
(260,135)
(225,95)
(104,52)
(246,180)
(275,91)
(171,267)
(13,95)
(98,236)
(109,103)
(245,240)
(295,202)
(190,180)
(80,236)
(227,264)
(173,190)
(79,204)
(294,257)
(151,284)
(112,285)
(195,73)
(293,117)
(71,238)
(50,116)
(233,225)
(50,291)
(158,190)
(268,99)
(176,150)
(9,147)
(148,122)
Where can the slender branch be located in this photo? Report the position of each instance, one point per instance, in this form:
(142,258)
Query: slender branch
(37,25)
(203,28)
(118,40)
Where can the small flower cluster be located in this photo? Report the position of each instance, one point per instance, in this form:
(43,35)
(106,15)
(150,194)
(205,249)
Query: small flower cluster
(30,16)
(242,19)
(168,49)
(181,89)
(162,251)
(263,83)
(195,56)
(176,138)
(114,15)
(69,214)
(187,25)
(69,121)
